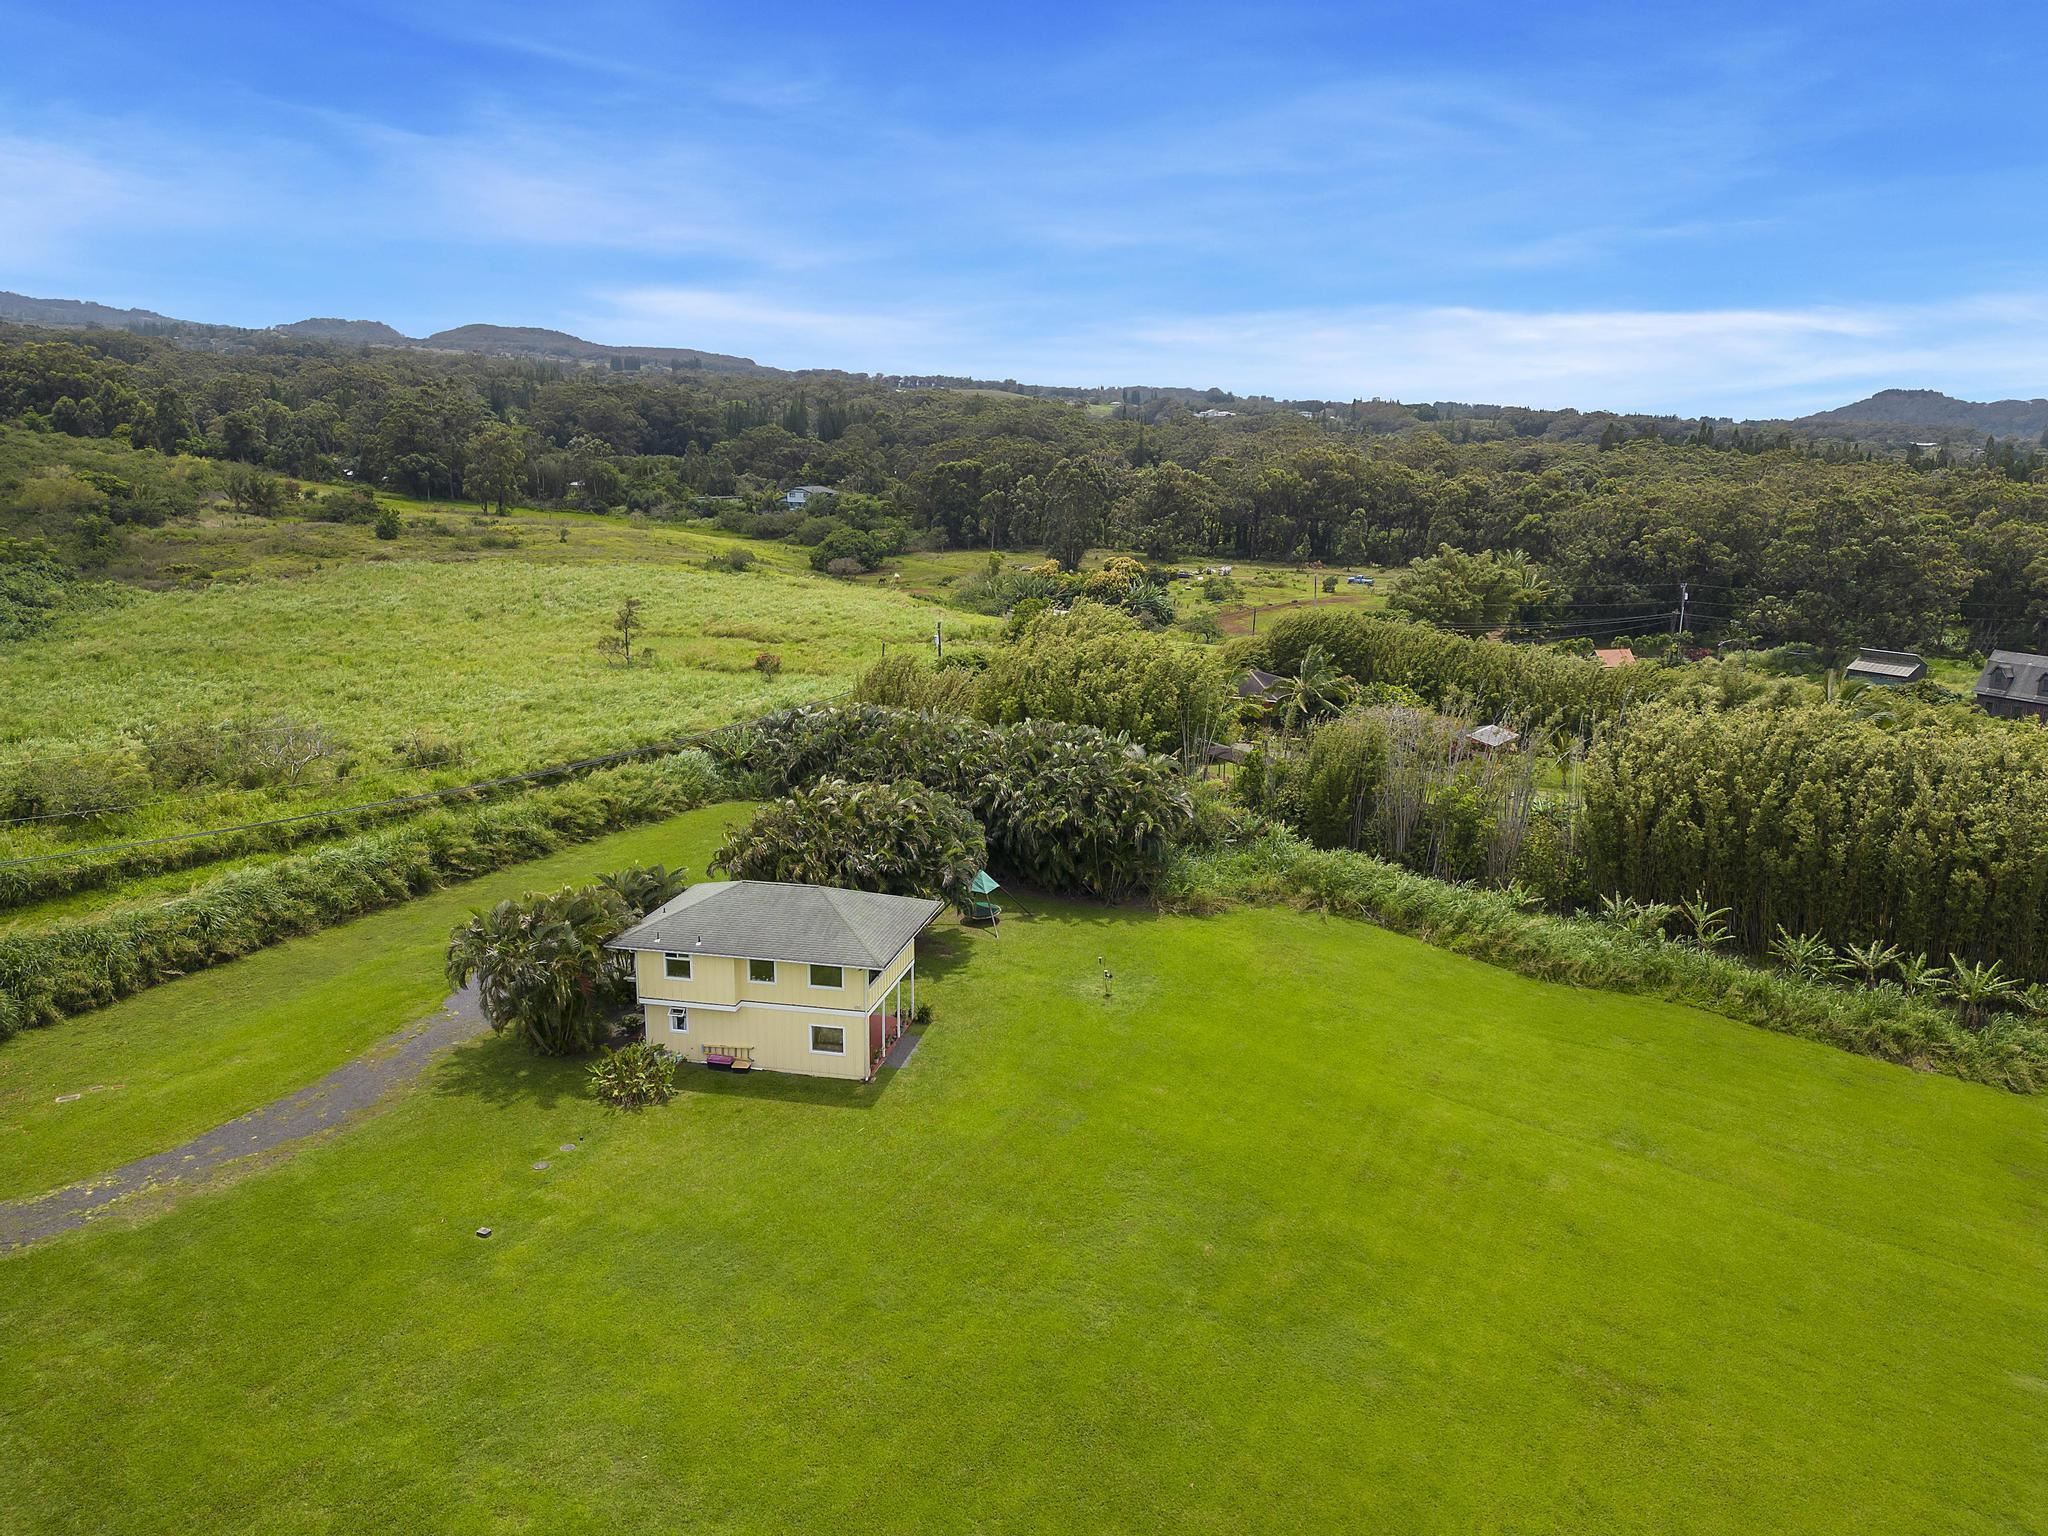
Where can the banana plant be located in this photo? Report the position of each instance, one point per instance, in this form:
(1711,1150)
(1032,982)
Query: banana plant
(1977,989)
(1806,954)
(1919,975)
(1872,960)
(1709,924)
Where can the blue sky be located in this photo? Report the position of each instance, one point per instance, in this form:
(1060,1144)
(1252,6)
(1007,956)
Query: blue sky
(1743,209)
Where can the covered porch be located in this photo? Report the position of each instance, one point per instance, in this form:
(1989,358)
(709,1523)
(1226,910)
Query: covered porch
(891,1017)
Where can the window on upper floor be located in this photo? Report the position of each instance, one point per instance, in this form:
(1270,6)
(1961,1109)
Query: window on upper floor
(677,967)
(761,970)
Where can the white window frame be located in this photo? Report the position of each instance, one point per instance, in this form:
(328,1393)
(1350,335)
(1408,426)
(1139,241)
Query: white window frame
(675,1013)
(757,981)
(818,1050)
(668,969)
(826,986)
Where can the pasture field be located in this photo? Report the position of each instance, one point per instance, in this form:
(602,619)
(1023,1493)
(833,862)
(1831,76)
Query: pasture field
(939,575)
(1304,1226)
(497,657)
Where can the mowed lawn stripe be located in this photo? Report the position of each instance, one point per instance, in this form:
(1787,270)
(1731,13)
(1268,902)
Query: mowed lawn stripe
(163,1066)
(1306,1227)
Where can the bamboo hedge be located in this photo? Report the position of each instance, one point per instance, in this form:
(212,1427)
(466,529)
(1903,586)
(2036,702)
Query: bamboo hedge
(1278,867)
(49,973)
(1928,837)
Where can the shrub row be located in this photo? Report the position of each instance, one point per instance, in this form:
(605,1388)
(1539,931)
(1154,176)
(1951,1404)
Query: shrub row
(1063,806)
(1278,867)
(47,974)
(1489,678)
(22,885)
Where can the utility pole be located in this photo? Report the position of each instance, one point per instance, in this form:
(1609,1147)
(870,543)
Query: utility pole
(1684,592)
(939,638)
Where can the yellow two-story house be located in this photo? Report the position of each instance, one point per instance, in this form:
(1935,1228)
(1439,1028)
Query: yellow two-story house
(788,978)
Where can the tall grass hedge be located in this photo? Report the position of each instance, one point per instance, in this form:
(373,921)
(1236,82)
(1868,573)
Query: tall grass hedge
(1277,867)
(1487,677)
(49,973)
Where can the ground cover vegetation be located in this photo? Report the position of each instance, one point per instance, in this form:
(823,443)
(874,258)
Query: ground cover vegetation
(1442,1246)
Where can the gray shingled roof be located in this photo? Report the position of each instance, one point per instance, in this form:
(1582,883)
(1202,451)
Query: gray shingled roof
(2015,675)
(768,920)
(1256,684)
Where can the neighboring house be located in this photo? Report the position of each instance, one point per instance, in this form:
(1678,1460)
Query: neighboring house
(2014,684)
(1614,656)
(1260,687)
(1887,669)
(791,978)
(796,496)
(1214,415)
(1489,739)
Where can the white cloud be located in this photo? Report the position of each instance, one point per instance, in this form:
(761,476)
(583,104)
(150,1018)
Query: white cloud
(772,330)
(53,196)
(1741,362)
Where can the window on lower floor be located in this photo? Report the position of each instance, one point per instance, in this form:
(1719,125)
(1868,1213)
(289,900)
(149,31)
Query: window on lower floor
(827,976)
(679,1021)
(677,966)
(761,970)
(828,1039)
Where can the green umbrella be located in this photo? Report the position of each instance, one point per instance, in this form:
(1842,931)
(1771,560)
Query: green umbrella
(983,883)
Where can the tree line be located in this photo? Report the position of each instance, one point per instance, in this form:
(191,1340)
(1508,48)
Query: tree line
(1776,538)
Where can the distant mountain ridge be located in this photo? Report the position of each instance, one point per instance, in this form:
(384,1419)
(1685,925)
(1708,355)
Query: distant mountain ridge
(488,340)
(1931,410)
(77,314)
(1892,417)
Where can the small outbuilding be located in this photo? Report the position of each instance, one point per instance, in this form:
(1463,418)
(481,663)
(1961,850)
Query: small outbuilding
(2014,685)
(1614,655)
(810,979)
(1489,739)
(1260,687)
(1887,669)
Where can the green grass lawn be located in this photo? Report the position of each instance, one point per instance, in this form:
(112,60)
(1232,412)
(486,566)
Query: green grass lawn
(1308,1228)
(159,1068)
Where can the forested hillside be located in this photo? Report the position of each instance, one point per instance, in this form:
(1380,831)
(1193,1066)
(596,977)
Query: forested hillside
(1775,539)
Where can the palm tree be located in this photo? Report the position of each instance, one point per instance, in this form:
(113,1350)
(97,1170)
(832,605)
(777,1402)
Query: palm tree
(1316,690)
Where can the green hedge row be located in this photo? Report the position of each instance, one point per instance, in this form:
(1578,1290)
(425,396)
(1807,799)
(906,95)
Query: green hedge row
(49,973)
(22,885)
(1489,925)
(1487,677)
